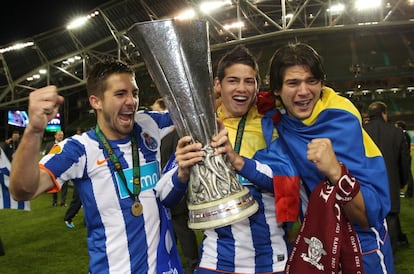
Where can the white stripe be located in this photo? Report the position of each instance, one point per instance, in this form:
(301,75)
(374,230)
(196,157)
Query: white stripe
(5,163)
(113,222)
(380,242)
(243,253)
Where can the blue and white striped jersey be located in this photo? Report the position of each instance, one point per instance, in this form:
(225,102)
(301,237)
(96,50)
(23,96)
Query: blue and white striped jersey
(253,245)
(119,242)
(256,244)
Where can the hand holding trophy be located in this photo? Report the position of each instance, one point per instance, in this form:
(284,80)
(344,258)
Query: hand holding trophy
(177,55)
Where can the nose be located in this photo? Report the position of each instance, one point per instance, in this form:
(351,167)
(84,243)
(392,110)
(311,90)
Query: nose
(303,87)
(242,85)
(131,99)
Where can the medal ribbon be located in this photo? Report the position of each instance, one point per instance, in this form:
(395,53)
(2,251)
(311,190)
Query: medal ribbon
(115,161)
(239,134)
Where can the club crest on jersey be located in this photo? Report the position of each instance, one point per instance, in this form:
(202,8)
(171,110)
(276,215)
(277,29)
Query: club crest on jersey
(56,149)
(315,252)
(149,141)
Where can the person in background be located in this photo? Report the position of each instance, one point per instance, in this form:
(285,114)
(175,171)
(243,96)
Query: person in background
(255,244)
(73,209)
(58,137)
(2,251)
(179,214)
(11,144)
(75,204)
(343,174)
(394,148)
(409,192)
(128,228)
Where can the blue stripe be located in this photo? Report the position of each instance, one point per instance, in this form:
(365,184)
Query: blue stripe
(259,226)
(6,195)
(225,249)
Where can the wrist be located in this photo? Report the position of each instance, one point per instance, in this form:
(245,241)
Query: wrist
(336,173)
(347,186)
(30,130)
(237,163)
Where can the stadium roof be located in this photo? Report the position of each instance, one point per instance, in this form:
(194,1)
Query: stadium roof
(364,51)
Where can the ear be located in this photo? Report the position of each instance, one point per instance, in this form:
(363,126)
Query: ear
(217,85)
(217,88)
(95,102)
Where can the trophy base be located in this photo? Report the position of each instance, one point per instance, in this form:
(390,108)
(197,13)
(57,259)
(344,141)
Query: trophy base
(222,212)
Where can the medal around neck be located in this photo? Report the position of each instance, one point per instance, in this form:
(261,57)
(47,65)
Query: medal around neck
(177,56)
(136,209)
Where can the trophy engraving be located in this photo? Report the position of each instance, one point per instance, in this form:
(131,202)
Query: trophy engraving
(177,56)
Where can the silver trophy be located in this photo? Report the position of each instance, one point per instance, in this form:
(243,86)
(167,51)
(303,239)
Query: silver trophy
(177,56)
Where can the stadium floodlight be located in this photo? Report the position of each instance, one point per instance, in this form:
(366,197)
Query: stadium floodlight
(80,21)
(17,47)
(336,9)
(209,6)
(367,4)
(234,25)
(186,14)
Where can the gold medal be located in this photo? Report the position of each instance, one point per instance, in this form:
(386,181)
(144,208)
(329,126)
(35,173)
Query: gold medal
(136,209)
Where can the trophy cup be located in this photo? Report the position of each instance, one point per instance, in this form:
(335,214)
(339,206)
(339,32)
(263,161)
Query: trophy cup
(177,56)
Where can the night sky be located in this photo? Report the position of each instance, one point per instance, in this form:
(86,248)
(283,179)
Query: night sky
(23,19)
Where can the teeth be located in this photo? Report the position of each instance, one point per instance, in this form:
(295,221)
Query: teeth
(303,103)
(240,98)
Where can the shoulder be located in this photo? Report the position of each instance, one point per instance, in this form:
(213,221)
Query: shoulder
(333,100)
(144,119)
(161,119)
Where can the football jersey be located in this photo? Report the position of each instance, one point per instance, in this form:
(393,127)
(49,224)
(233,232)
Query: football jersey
(255,244)
(118,241)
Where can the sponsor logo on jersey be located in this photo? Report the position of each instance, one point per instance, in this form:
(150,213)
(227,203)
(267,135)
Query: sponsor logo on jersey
(149,176)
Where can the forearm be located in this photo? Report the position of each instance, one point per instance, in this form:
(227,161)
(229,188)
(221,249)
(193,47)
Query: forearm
(351,196)
(24,172)
(355,210)
(170,189)
(236,161)
(258,174)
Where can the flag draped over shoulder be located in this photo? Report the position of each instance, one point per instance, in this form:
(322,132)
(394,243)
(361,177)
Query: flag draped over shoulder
(336,118)
(286,181)
(6,201)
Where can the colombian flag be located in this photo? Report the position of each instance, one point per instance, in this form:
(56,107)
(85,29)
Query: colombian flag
(336,118)
(6,201)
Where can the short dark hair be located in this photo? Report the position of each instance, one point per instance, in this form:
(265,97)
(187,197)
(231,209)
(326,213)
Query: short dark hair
(375,109)
(238,55)
(294,54)
(401,124)
(160,101)
(100,71)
